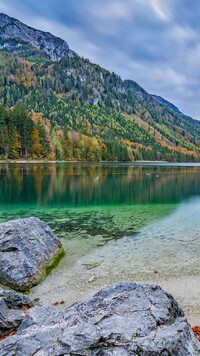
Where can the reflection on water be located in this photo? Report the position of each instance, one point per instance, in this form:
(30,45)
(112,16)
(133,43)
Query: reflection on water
(70,185)
(91,204)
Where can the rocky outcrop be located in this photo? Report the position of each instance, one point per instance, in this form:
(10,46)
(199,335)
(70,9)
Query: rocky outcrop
(28,247)
(123,319)
(13,308)
(54,46)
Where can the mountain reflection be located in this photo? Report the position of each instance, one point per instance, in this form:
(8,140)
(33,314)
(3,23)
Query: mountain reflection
(90,184)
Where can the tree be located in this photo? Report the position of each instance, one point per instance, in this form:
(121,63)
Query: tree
(43,140)
(24,125)
(15,144)
(36,145)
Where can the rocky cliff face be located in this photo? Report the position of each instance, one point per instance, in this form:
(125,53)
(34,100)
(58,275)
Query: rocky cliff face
(55,47)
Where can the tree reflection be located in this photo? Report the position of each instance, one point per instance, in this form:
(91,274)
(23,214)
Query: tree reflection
(89,184)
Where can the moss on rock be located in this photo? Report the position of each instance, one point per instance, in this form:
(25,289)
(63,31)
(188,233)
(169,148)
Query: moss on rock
(48,268)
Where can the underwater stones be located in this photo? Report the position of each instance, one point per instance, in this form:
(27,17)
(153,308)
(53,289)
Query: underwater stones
(92,279)
(28,248)
(121,319)
(91,265)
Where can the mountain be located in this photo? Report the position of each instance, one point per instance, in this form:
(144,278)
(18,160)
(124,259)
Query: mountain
(161,100)
(14,35)
(74,109)
(165,118)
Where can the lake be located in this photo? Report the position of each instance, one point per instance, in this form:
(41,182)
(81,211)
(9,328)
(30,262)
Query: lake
(134,222)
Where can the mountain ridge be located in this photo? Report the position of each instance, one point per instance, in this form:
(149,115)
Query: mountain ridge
(163,101)
(53,46)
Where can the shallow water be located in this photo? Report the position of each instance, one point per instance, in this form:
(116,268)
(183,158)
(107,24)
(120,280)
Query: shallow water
(116,222)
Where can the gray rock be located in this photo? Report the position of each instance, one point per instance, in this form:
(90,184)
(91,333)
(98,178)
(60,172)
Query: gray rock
(54,46)
(26,248)
(123,319)
(13,307)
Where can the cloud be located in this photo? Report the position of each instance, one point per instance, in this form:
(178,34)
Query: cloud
(183,33)
(3,7)
(153,42)
(112,10)
(160,9)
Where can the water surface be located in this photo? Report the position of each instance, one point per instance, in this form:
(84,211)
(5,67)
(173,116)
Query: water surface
(116,222)
(96,202)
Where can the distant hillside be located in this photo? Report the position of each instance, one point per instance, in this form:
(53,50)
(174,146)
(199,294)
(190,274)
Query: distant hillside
(85,112)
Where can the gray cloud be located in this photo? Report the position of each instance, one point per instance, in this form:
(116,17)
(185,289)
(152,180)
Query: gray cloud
(154,42)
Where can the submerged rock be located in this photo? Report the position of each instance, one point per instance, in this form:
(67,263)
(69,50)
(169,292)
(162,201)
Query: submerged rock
(122,319)
(28,247)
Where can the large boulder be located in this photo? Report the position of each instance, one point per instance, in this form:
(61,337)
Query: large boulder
(122,319)
(28,247)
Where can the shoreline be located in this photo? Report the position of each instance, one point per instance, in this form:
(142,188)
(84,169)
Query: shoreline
(72,161)
(184,289)
(78,281)
(97,162)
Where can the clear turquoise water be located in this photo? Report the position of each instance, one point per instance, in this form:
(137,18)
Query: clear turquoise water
(98,202)
(129,222)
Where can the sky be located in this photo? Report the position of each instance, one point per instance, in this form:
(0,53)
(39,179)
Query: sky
(153,42)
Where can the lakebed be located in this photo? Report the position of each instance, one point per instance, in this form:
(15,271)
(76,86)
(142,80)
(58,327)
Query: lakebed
(157,254)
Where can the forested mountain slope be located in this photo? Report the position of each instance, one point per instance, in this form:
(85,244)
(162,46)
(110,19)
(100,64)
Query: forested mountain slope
(77,110)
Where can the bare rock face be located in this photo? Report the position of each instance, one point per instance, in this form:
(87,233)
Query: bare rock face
(27,247)
(120,320)
(54,46)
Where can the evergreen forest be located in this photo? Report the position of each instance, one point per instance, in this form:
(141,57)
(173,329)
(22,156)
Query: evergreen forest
(76,110)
